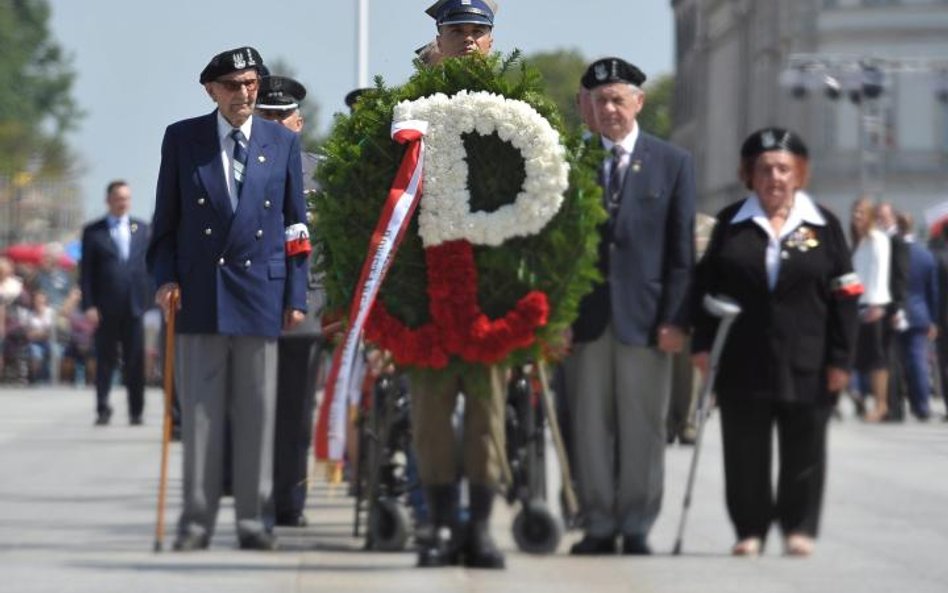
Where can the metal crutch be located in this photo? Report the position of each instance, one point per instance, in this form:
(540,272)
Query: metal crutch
(727,311)
(168,379)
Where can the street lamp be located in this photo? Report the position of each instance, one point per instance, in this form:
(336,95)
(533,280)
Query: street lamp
(863,80)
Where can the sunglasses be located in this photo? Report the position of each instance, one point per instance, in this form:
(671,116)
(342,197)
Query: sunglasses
(234,86)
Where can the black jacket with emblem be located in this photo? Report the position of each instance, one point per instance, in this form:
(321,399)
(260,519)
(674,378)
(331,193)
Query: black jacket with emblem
(781,345)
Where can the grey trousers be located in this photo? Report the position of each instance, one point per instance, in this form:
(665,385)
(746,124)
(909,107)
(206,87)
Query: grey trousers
(220,377)
(618,400)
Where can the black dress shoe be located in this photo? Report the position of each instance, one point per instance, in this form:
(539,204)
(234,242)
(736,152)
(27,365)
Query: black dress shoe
(480,551)
(291,519)
(136,421)
(102,418)
(189,542)
(258,541)
(594,546)
(437,549)
(635,545)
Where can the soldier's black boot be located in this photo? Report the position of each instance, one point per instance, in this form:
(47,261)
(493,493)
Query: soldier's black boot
(480,551)
(438,548)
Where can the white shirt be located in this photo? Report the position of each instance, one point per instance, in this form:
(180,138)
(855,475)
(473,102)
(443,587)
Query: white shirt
(121,234)
(627,143)
(224,130)
(871,262)
(802,211)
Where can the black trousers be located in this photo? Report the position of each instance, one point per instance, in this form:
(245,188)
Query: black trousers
(297,369)
(129,331)
(747,430)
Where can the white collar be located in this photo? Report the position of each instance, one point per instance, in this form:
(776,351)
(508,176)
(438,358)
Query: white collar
(224,127)
(628,143)
(803,209)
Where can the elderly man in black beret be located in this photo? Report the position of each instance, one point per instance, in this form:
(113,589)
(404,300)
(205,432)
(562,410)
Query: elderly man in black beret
(619,372)
(230,237)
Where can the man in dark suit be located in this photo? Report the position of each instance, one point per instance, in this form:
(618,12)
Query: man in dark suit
(116,291)
(229,236)
(921,311)
(299,348)
(938,243)
(619,373)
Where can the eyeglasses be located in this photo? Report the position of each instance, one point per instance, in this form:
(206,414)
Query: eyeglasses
(234,86)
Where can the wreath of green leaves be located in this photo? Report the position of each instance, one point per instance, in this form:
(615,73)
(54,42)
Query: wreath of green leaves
(360,161)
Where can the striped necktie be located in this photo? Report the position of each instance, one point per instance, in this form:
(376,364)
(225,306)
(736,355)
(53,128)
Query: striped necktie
(614,190)
(240,158)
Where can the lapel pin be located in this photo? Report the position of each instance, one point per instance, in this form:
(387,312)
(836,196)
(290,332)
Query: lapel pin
(636,166)
(133,227)
(262,158)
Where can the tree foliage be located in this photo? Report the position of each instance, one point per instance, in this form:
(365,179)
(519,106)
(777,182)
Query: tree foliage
(36,105)
(656,116)
(561,71)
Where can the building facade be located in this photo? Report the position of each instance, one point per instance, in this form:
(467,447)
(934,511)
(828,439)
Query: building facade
(745,64)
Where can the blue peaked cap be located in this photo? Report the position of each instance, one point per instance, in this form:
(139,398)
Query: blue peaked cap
(457,12)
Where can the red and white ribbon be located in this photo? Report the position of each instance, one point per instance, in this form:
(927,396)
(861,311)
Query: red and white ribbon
(402,200)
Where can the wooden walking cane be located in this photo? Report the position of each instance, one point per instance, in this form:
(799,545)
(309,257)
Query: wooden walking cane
(168,380)
(569,493)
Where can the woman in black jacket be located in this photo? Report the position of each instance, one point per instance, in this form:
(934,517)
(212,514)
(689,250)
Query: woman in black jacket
(785,261)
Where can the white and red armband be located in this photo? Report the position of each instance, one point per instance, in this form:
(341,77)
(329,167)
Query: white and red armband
(296,238)
(847,286)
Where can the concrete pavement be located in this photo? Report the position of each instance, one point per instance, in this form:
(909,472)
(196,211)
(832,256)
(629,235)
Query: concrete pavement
(77,513)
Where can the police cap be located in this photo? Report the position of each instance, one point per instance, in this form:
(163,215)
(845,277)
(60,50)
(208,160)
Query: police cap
(280,93)
(353,96)
(458,12)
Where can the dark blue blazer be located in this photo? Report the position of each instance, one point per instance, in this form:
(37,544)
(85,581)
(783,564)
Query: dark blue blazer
(647,254)
(113,286)
(231,266)
(921,299)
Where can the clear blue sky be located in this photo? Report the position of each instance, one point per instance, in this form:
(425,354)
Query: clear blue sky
(138,62)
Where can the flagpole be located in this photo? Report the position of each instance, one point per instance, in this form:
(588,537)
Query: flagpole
(362,44)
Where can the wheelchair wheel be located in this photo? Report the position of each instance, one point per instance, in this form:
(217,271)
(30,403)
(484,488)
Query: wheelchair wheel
(388,526)
(535,529)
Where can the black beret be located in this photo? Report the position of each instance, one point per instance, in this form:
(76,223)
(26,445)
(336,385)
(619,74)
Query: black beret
(280,93)
(768,139)
(232,60)
(610,70)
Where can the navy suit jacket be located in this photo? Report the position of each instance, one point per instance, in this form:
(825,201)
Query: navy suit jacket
(921,299)
(647,257)
(231,266)
(113,286)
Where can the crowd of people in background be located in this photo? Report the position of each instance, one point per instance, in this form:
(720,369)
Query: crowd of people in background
(45,336)
(903,313)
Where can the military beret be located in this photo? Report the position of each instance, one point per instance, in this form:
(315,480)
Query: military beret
(769,139)
(457,12)
(280,93)
(610,70)
(232,60)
